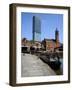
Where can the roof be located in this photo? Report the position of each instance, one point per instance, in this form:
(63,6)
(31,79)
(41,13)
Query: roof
(50,40)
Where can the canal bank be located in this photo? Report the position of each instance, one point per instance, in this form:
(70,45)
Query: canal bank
(32,65)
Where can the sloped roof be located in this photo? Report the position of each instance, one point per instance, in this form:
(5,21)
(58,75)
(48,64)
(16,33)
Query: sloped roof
(50,40)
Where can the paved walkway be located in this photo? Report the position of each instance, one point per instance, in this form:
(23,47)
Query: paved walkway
(31,65)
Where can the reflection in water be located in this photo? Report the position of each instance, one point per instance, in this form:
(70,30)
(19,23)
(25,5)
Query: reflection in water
(56,63)
(60,70)
(61,67)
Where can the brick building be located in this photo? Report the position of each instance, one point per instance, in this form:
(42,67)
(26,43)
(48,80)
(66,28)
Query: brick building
(46,44)
(30,43)
(51,44)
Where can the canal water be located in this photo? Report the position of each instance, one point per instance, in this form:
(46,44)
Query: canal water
(61,67)
(60,70)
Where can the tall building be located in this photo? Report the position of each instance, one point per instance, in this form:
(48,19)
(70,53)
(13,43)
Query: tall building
(57,37)
(36,29)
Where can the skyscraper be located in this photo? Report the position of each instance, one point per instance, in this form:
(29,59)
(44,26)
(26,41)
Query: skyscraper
(36,29)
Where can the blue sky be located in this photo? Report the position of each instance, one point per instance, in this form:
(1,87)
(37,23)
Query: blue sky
(49,23)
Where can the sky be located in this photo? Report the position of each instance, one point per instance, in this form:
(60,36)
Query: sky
(49,23)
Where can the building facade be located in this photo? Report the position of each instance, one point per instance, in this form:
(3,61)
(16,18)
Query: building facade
(46,44)
(36,29)
(30,43)
(51,44)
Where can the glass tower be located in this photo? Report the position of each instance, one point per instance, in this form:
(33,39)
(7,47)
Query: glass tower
(36,29)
